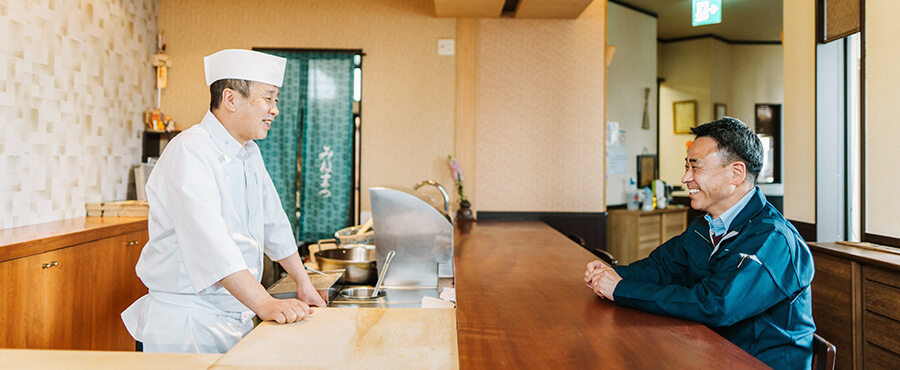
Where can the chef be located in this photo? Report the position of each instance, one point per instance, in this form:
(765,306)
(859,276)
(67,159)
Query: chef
(213,213)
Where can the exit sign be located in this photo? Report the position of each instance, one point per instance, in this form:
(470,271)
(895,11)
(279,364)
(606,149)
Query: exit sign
(706,12)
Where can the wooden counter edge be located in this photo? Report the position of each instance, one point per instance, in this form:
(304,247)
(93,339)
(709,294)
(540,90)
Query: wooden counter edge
(35,239)
(78,359)
(868,256)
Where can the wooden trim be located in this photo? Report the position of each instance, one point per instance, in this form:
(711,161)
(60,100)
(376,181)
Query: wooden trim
(865,256)
(856,314)
(35,239)
(637,9)
(862,119)
(807,230)
(881,239)
(466,101)
(720,38)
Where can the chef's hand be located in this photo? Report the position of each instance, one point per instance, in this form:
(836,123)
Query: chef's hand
(307,293)
(251,293)
(282,311)
(603,281)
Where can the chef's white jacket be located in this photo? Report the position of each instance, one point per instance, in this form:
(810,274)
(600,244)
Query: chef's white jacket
(213,211)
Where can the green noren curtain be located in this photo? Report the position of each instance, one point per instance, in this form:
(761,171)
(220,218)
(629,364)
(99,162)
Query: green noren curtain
(312,137)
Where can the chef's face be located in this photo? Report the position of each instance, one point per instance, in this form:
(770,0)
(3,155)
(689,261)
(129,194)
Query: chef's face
(257,112)
(710,181)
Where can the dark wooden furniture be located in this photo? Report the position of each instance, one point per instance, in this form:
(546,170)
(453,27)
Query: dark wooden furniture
(856,304)
(65,283)
(823,353)
(522,303)
(154,142)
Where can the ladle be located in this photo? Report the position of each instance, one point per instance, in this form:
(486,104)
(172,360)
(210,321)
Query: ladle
(365,227)
(387,263)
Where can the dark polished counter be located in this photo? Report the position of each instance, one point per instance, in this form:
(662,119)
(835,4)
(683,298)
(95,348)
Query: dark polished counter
(522,303)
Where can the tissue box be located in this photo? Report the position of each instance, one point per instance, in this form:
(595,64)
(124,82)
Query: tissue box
(123,208)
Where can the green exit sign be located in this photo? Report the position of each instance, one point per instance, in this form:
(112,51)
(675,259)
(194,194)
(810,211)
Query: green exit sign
(706,12)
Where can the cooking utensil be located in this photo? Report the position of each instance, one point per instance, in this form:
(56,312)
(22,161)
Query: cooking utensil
(365,292)
(387,263)
(358,260)
(314,270)
(365,227)
(348,235)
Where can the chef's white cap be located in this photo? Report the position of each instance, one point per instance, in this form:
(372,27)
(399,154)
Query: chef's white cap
(244,65)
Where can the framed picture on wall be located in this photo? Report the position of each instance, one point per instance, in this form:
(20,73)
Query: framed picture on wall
(646,170)
(719,110)
(685,116)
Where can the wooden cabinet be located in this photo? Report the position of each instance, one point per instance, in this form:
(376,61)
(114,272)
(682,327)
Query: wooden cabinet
(114,261)
(43,303)
(856,304)
(632,235)
(64,284)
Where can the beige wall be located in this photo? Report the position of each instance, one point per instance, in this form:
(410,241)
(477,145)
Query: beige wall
(882,76)
(408,90)
(550,158)
(540,114)
(74,79)
(800,110)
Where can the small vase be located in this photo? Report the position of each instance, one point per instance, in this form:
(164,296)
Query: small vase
(465,211)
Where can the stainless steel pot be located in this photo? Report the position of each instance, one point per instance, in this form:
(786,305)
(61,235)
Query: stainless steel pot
(357,260)
(348,236)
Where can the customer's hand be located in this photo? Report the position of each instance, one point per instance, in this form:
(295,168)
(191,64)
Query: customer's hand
(603,281)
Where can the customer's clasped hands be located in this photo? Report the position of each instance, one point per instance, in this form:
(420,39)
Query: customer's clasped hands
(602,279)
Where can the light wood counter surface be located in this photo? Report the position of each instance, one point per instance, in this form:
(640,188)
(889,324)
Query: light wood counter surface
(46,359)
(352,338)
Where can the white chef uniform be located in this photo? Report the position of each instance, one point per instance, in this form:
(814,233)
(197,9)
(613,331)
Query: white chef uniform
(213,212)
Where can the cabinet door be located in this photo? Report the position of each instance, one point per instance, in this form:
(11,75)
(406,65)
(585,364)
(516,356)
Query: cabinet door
(116,286)
(673,224)
(46,300)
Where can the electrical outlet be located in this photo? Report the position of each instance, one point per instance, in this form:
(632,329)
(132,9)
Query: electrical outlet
(446,47)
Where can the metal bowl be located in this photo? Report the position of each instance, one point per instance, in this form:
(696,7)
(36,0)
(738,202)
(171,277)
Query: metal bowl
(361,293)
(348,236)
(357,260)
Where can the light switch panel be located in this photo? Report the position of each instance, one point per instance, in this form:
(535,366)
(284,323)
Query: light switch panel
(446,47)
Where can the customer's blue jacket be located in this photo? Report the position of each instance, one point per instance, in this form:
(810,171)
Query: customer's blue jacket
(753,290)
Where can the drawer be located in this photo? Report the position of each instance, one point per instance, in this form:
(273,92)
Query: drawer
(882,331)
(881,299)
(886,277)
(648,226)
(880,358)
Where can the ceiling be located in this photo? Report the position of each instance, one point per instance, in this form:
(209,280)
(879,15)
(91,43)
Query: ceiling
(742,20)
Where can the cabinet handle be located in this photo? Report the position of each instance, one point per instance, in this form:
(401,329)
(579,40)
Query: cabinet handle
(133,242)
(49,265)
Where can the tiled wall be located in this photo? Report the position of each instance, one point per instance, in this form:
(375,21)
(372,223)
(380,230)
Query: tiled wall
(74,79)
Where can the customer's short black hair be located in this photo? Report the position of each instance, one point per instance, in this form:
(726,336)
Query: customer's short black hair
(736,142)
(216,89)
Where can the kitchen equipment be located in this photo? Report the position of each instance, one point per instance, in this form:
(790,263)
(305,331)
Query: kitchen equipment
(365,292)
(326,285)
(365,227)
(348,235)
(387,264)
(358,260)
(316,271)
(419,232)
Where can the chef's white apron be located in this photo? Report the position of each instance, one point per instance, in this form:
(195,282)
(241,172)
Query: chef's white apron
(187,323)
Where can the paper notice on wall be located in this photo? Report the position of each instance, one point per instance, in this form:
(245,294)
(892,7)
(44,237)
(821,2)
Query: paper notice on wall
(613,137)
(616,161)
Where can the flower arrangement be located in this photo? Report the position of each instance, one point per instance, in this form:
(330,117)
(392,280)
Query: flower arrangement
(456,173)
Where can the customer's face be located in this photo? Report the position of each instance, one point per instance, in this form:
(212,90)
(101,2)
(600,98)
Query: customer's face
(257,112)
(709,179)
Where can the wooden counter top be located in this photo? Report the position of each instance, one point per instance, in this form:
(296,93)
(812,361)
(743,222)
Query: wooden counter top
(889,259)
(46,359)
(29,240)
(352,338)
(522,302)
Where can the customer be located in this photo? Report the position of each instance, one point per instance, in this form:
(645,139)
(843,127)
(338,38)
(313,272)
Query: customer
(213,213)
(743,269)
